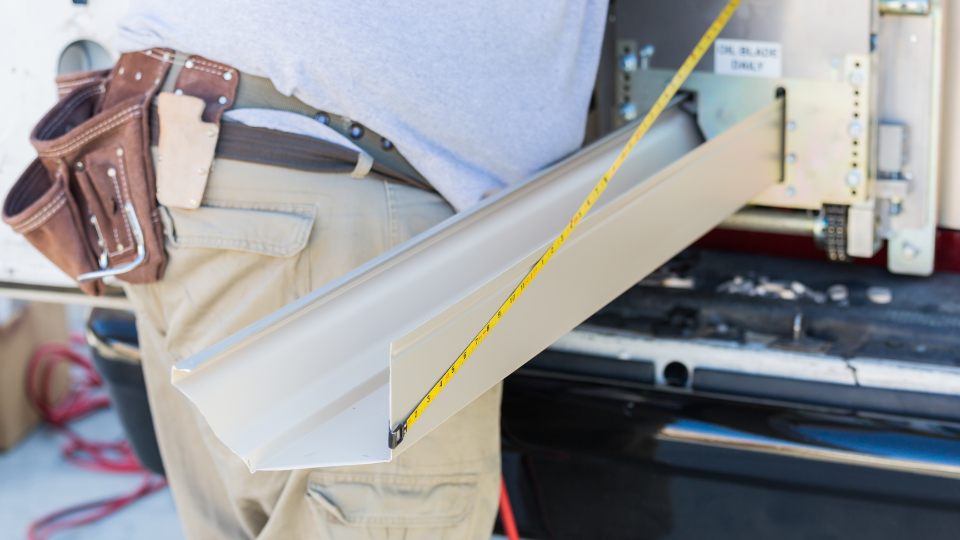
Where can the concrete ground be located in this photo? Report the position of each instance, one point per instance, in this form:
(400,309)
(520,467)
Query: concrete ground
(35,480)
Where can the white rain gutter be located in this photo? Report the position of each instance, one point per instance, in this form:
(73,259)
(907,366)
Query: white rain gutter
(322,381)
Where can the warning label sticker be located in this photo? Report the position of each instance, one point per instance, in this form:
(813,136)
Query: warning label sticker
(748,58)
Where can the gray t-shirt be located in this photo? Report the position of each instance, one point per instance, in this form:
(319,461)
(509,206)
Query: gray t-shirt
(476,95)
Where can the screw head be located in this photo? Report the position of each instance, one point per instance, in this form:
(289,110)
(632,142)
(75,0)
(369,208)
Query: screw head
(188,64)
(178,92)
(193,202)
(222,100)
(855,129)
(111,172)
(202,171)
(228,76)
(880,295)
(80,166)
(212,133)
(791,158)
(791,125)
(791,192)
(628,62)
(323,118)
(856,79)
(854,178)
(387,145)
(356,131)
(628,111)
(910,252)
(138,76)
(119,152)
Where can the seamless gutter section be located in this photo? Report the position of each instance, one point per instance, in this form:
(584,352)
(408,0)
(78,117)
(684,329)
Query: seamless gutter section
(306,386)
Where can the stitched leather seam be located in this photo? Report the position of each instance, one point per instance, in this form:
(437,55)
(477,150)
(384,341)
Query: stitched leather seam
(77,82)
(60,201)
(131,112)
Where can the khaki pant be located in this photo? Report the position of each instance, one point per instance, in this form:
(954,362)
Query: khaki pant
(263,237)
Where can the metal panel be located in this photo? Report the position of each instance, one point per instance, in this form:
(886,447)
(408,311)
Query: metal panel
(950,154)
(909,93)
(321,381)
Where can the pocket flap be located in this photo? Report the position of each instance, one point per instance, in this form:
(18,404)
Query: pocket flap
(394,500)
(267,229)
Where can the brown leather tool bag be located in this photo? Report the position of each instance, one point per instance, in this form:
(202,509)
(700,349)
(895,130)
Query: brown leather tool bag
(88,202)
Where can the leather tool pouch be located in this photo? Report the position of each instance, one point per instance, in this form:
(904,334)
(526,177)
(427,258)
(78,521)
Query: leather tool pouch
(88,202)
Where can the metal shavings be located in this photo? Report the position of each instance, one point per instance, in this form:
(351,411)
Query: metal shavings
(766,288)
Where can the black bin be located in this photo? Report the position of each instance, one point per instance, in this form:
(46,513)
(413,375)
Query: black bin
(112,336)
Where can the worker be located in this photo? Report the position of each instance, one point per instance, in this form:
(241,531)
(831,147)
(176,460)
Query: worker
(464,99)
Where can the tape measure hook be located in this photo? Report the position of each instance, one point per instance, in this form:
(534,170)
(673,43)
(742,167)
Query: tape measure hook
(396,435)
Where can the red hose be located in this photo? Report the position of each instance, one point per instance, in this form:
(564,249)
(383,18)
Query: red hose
(102,456)
(506,513)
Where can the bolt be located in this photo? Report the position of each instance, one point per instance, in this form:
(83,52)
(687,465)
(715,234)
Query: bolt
(628,111)
(838,293)
(855,129)
(646,54)
(628,62)
(910,251)
(856,79)
(880,295)
(854,178)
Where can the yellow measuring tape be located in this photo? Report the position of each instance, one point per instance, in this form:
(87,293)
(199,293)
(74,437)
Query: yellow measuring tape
(708,38)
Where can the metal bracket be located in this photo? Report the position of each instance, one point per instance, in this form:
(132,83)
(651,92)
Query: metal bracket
(141,250)
(396,435)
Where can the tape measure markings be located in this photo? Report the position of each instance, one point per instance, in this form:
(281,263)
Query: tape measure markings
(396,435)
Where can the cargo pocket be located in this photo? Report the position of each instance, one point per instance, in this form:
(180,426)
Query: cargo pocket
(359,505)
(277,230)
(229,264)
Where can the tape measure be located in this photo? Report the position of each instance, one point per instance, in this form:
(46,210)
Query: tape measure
(397,434)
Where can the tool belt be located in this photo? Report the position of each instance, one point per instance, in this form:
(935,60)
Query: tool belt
(89,201)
